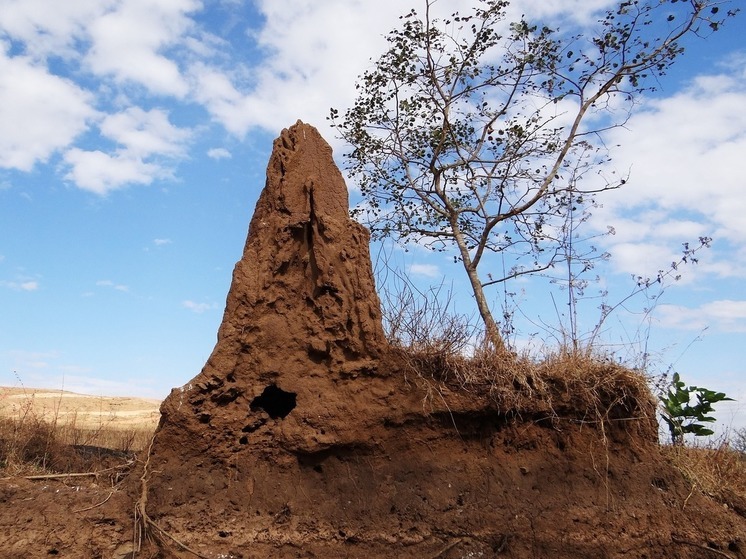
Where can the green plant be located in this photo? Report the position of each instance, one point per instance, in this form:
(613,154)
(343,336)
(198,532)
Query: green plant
(683,418)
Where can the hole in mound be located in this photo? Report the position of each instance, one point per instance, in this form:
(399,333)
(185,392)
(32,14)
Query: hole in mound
(660,483)
(275,401)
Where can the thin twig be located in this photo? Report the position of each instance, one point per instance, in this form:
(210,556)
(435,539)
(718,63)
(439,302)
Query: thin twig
(97,505)
(75,474)
(699,545)
(694,485)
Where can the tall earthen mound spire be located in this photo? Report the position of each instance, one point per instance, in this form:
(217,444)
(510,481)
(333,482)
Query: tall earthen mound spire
(304,287)
(302,317)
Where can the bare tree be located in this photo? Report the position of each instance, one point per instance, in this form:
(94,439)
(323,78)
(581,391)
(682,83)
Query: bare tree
(474,134)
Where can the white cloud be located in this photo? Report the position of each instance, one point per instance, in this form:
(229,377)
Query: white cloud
(44,112)
(29,285)
(112,285)
(225,103)
(145,139)
(313,55)
(121,41)
(100,173)
(144,133)
(219,153)
(725,315)
(129,43)
(315,51)
(427,270)
(161,242)
(198,308)
(642,258)
(50,28)
(685,156)
(580,11)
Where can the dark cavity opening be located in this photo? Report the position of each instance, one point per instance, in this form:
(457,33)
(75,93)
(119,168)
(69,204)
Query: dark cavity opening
(275,401)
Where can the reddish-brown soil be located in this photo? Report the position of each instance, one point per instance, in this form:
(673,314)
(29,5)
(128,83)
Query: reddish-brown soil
(415,484)
(306,436)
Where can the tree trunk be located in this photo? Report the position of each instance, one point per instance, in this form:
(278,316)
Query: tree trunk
(492,332)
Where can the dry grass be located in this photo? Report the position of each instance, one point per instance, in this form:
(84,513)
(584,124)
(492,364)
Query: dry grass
(439,347)
(577,386)
(715,469)
(36,440)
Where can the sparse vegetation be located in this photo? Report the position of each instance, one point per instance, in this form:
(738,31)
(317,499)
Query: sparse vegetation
(437,346)
(738,441)
(716,469)
(36,442)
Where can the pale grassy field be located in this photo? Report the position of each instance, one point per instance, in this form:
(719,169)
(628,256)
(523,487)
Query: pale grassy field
(86,412)
(35,422)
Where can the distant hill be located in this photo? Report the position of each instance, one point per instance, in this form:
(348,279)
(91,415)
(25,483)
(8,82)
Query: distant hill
(83,410)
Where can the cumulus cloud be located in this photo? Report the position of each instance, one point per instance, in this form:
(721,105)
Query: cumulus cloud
(49,28)
(725,315)
(128,43)
(121,42)
(315,51)
(312,54)
(145,138)
(145,133)
(100,173)
(44,112)
(683,155)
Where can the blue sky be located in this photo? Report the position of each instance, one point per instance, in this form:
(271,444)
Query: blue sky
(135,139)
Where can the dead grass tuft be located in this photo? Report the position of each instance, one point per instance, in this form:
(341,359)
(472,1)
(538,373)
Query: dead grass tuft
(583,381)
(715,469)
(438,346)
(579,387)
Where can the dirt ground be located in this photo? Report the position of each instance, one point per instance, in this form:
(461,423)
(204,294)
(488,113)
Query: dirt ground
(417,485)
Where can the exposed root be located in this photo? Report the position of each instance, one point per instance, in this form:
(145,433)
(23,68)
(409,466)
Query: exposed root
(146,526)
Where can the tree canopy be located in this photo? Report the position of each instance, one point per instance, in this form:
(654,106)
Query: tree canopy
(475,134)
